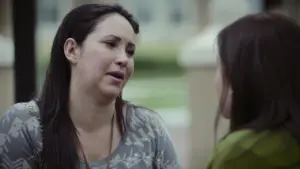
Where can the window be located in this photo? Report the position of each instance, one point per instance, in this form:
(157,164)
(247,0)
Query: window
(144,11)
(176,13)
(47,10)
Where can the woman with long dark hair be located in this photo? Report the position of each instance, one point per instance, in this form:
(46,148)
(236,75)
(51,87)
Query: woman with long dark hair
(258,78)
(80,119)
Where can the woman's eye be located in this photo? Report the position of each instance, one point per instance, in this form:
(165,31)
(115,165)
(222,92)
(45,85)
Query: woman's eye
(111,44)
(130,52)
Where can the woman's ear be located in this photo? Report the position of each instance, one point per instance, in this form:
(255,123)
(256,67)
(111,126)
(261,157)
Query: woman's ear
(71,50)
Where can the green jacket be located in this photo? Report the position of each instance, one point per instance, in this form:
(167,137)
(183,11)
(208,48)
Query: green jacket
(247,149)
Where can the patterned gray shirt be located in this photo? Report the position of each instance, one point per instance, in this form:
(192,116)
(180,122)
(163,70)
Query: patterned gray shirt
(147,144)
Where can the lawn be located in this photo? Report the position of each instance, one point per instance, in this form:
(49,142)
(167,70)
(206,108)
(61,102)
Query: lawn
(157,92)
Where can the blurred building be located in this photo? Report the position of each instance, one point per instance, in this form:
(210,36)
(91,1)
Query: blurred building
(160,20)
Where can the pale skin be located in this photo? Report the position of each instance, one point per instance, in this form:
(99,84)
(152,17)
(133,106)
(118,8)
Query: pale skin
(223,89)
(109,48)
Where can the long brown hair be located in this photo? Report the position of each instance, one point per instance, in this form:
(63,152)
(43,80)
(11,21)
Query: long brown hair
(58,131)
(259,54)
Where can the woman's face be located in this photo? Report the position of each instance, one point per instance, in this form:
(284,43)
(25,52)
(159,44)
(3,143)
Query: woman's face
(224,91)
(104,62)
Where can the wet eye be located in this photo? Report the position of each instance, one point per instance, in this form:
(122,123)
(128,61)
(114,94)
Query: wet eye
(130,52)
(111,44)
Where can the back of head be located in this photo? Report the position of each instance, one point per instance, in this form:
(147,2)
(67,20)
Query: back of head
(260,60)
(59,134)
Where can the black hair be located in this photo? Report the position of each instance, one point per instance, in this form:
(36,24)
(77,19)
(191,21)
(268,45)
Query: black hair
(260,59)
(58,131)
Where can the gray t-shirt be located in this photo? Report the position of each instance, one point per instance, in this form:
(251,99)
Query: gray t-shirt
(147,144)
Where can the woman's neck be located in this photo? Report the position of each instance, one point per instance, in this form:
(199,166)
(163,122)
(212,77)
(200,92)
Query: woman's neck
(87,114)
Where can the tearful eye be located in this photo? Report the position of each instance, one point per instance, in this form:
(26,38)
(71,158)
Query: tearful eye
(111,44)
(130,52)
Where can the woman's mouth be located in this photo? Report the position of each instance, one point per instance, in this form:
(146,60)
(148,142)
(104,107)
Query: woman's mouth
(117,75)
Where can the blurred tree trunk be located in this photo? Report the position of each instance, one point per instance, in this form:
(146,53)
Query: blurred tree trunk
(24,40)
(292,8)
(6,57)
(5,19)
(203,12)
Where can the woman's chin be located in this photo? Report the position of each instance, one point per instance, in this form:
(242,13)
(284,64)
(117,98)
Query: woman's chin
(111,92)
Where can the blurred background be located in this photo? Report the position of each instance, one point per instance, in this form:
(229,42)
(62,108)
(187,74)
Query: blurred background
(174,64)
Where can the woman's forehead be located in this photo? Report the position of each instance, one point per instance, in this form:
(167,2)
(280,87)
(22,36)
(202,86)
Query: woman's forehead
(115,25)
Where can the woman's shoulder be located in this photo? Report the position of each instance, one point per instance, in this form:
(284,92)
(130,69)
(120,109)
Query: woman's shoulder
(142,117)
(22,112)
(143,114)
(20,119)
(20,135)
(263,149)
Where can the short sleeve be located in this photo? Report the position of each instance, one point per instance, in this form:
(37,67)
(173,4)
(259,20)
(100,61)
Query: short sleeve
(165,154)
(19,138)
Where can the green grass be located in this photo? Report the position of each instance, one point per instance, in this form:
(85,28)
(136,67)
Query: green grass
(170,101)
(157,92)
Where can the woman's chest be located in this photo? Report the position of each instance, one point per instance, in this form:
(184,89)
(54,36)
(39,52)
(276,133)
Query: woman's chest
(125,162)
(131,153)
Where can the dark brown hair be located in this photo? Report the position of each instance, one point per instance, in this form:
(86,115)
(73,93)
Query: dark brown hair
(58,131)
(260,57)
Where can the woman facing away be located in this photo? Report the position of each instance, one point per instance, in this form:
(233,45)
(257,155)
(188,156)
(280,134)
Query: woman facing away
(80,119)
(258,79)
